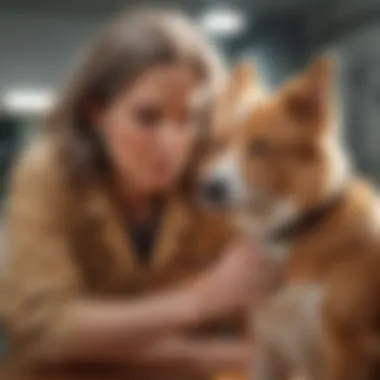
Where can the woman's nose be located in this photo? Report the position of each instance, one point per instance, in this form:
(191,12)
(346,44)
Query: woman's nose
(169,135)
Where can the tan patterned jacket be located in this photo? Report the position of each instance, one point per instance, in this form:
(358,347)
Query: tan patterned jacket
(66,244)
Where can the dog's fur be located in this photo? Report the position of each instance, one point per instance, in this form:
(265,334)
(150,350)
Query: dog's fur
(279,158)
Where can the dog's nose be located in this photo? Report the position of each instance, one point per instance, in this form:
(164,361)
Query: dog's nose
(215,191)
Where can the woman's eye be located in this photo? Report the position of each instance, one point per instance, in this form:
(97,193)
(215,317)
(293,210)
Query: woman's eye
(258,148)
(148,116)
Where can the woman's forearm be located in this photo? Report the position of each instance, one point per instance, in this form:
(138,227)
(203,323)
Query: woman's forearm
(100,330)
(104,330)
(199,356)
(139,335)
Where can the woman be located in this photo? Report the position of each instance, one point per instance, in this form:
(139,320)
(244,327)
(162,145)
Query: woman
(110,259)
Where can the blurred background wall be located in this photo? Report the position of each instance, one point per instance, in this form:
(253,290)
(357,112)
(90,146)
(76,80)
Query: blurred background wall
(40,40)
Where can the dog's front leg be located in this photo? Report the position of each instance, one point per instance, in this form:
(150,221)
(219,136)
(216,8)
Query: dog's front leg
(287,332)
(268,360)
(267,364)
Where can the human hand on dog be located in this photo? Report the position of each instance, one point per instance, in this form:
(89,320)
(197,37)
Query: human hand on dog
(232,283)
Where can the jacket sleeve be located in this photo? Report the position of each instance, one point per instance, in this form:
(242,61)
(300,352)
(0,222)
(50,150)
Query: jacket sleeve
(40,274)
(215,234)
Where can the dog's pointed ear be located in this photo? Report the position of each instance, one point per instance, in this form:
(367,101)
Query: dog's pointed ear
(320,78)
(310,99)
(243,78)
(241,81)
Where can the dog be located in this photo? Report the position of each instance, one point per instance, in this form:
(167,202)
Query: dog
(278,164)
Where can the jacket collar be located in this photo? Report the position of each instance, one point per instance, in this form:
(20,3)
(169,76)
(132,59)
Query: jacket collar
(176,223)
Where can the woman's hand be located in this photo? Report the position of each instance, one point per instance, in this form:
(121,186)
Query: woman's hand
(205,356)
(241,277)
(230,285)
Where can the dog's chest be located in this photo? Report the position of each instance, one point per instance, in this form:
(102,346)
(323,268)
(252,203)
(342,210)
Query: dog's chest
(290,323)
(291,317)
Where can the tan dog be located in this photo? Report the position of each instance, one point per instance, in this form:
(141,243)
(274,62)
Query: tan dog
(279,165)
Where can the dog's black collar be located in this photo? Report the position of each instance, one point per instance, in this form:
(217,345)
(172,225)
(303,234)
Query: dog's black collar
(308,221)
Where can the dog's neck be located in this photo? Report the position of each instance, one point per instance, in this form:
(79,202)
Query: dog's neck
(308,221)
(280,231)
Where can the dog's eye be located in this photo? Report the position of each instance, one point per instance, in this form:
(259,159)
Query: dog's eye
(258,148)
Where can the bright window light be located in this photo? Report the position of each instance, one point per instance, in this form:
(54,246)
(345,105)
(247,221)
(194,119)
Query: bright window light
(223,22)
(27,101)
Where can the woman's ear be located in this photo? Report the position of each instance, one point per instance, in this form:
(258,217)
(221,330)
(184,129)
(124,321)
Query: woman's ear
(241,82)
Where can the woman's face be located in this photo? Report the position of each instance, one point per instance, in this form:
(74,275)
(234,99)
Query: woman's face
(150,128)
